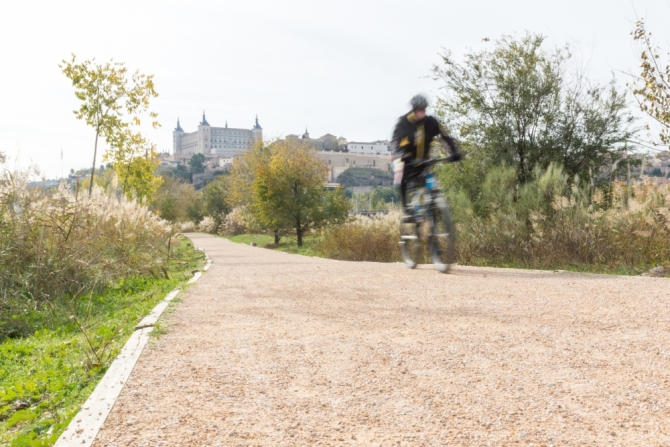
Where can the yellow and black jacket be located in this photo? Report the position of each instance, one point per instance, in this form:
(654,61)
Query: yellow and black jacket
(412,137)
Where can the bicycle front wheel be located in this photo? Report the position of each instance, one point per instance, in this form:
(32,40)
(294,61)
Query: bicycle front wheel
(442,236)
(410,244)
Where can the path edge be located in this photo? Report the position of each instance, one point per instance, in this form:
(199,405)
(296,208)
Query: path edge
(86,424)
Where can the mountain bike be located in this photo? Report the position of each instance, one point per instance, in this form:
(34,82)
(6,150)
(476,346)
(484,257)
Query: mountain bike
(427,221)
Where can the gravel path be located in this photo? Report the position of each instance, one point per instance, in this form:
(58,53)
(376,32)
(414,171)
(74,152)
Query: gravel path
(271,349)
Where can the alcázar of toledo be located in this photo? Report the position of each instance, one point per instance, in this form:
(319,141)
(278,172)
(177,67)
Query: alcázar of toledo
(221,145)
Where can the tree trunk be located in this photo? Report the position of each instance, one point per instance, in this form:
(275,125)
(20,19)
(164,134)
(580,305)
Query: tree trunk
(522,166)
(125,181)
(298,231)
(276,237)
(95,154)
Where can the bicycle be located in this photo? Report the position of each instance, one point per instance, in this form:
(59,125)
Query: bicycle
(428,221)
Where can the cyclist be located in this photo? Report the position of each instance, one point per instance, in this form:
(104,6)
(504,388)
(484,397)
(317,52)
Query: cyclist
(412,137)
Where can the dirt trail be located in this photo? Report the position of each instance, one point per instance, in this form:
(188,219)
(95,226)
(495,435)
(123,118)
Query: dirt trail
(271,349)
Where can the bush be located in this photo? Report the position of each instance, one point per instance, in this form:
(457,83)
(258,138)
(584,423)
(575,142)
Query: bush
(207,225)
(363,239)
(62,245)
(551,222)
(234,223)
(174,199)
(187,227)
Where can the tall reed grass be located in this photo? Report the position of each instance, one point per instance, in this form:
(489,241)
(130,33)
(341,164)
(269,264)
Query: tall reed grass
(550,222)
(363,239)
(57,246)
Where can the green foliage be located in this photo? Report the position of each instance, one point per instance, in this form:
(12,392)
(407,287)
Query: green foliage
(45,378)
(215,198)
(364,177)
(180,171)
(197,164)
(516,105)
(174,199)
(310,246)
(107,94)
(135,163)
(652,86)
(284,186)
(378,199)
(553,222)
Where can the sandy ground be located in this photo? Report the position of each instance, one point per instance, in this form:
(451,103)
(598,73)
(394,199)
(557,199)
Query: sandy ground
(275,349)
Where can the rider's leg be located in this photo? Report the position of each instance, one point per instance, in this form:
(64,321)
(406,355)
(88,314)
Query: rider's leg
(403,191)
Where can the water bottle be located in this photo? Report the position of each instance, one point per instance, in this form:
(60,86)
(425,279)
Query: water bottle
(430,181)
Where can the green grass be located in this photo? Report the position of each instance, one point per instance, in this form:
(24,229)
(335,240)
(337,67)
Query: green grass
(45,378)
(288,244)
(621,270)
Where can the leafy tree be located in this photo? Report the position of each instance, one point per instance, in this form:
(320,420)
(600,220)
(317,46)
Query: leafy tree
(197,163)
(242,189)
(180,172)
(516,105)
(364,177)
(652,86)
(381,196)
(215,196)
(287,187)
(174,199)
(107,95)
(135,162)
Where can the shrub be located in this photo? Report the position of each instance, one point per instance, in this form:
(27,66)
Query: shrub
(207,225)
(174,199)
(63,244)
(551,222)
(234,223)
(363,239)
(187,227)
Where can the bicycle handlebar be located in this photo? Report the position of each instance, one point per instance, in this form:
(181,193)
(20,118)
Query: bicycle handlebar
(431,162)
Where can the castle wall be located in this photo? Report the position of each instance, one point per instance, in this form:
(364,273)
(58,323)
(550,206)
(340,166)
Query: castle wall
(208,140)
(338,162)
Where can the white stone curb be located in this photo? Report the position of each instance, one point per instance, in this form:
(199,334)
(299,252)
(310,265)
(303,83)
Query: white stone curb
(85,426)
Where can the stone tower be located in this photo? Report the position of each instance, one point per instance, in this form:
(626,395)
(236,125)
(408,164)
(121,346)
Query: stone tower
(176,138)
(257,131)
(204,136)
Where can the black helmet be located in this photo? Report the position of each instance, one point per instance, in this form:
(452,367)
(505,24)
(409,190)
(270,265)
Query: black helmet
(418,102)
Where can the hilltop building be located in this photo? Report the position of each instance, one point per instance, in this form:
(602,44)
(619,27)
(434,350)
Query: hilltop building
(214,141)
(380,147)
(325,142)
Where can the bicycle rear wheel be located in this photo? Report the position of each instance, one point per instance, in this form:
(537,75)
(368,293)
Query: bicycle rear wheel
(410,244)
(442,238)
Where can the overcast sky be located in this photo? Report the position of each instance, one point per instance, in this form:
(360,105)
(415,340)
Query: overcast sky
(342,67)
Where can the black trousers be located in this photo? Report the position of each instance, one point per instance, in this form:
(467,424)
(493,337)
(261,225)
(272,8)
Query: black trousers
(410,173)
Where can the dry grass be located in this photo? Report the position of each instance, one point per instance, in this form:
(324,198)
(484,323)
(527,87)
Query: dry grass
(207,225)
(363,239)
(548,223)
(62,245)
(235,223)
